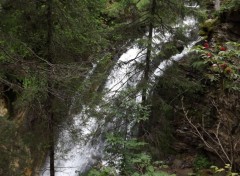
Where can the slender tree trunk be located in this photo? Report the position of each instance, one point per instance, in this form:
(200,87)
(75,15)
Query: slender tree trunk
(50,96)
(148,54)
(51,144)
(217,4)
(49,31)
(147,61)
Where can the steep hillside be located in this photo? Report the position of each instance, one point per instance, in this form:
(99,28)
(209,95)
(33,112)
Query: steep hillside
(195,119)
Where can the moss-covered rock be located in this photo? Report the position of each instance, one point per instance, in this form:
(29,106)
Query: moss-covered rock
(207,28)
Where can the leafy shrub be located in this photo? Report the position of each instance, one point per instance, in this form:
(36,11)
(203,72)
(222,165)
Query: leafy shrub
(201,162)
(129,160)
(230,5)
(219,63)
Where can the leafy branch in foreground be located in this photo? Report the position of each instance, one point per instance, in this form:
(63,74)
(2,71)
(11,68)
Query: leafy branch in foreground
(129,160)
(227,170)
(219,62)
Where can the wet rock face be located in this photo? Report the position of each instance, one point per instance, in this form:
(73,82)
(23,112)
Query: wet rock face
(233,17)
(230,26)
(235,29)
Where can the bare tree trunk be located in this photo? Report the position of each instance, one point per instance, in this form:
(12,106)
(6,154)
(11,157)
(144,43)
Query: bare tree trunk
(50,96)
(217,4)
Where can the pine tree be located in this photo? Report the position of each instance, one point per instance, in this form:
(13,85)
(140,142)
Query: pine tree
(44,50)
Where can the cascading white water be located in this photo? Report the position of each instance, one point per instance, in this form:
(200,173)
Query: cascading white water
(163,65)
(77,156)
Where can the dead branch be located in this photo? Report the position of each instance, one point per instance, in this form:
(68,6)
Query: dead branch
(226,159)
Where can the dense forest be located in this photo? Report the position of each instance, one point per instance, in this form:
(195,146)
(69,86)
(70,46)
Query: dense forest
(119,87)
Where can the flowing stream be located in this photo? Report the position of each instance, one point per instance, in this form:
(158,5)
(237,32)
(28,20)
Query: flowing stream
(76,155)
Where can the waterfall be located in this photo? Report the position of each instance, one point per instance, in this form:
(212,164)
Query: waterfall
(79,155)
(166,63)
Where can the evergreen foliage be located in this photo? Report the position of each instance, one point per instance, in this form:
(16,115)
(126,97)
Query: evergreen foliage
(78,35)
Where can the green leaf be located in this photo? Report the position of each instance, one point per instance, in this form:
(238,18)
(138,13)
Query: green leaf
(150,168)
